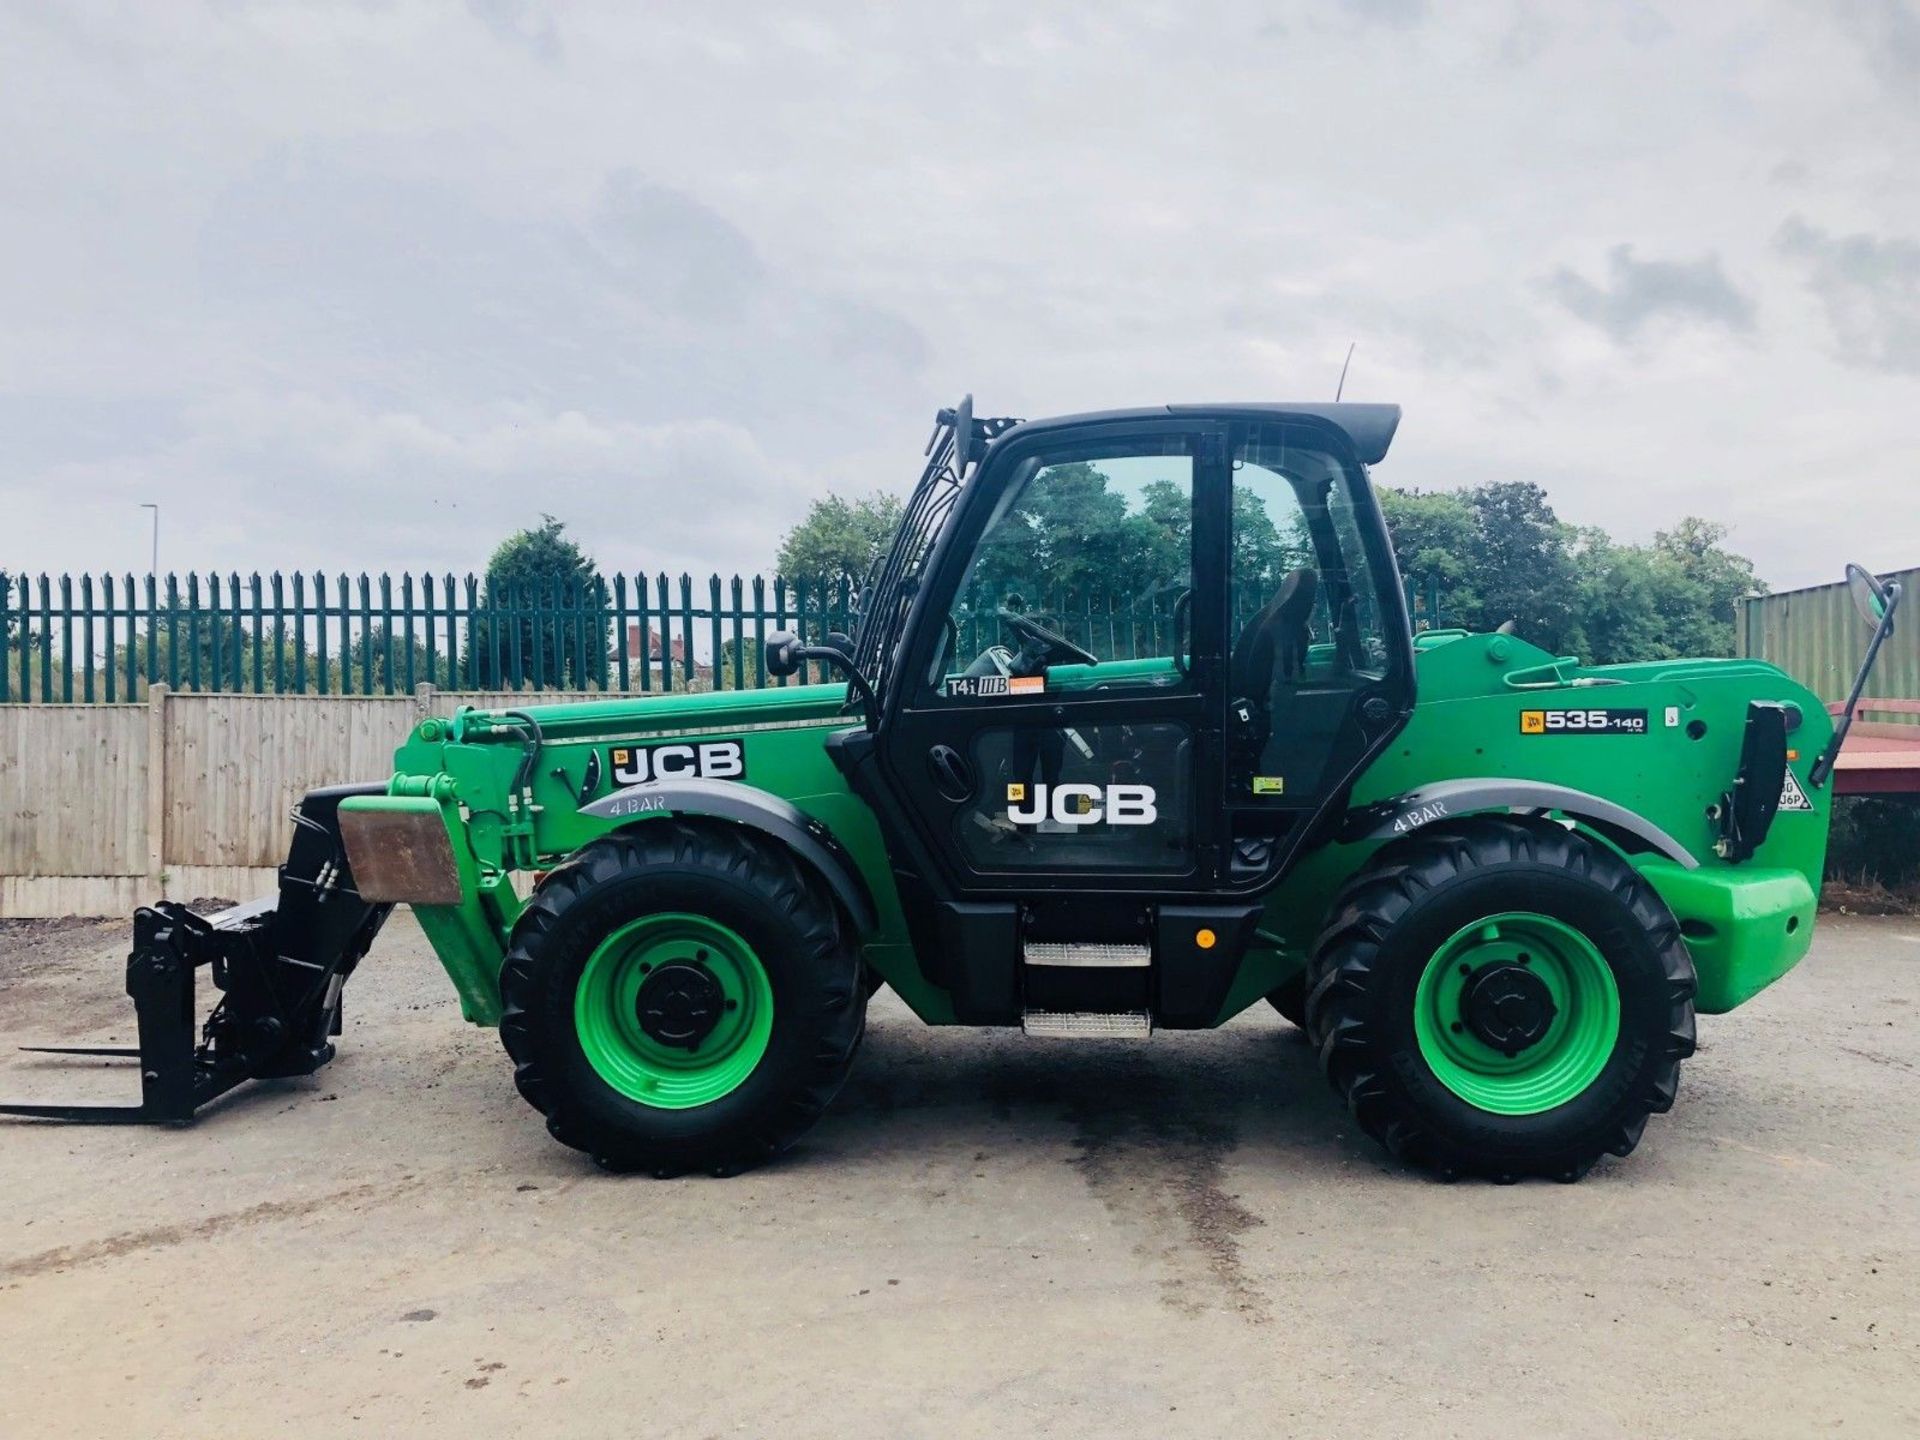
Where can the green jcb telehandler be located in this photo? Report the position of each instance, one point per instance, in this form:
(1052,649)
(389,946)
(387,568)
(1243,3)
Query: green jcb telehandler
(1133,732)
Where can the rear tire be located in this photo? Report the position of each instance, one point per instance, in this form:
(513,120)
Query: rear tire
(770,996)
(1502,997)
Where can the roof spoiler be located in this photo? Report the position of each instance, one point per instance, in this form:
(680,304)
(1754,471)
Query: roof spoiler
(1368,427)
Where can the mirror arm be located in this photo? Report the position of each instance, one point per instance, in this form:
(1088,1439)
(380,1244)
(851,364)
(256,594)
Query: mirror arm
(843,662)
(1823,767)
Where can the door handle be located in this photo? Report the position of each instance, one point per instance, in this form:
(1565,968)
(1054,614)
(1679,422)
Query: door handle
(952,775)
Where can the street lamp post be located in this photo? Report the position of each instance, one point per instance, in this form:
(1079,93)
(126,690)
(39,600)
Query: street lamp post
(150,505)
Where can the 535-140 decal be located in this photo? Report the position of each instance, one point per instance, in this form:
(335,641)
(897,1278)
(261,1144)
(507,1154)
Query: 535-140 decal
(1583,722)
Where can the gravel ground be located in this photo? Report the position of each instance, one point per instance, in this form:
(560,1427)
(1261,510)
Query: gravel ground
(986,1233)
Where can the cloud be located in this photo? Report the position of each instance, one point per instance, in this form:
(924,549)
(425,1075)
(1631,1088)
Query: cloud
(519,22)
(395,481)
(366,285)
(401,286)
(1888,32)
(429,369)
(674,253)
(1400,14)
(1870,286)
(1643,293)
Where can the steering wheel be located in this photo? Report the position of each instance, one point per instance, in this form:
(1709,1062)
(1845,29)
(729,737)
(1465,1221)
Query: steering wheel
(1049,643)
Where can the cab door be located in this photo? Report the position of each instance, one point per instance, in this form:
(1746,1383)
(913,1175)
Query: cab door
(1319,668)
(1055,721)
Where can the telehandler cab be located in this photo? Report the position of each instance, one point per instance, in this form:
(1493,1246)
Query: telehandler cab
(1134,733)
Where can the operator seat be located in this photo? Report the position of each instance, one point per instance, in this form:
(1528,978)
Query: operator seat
(1277,637)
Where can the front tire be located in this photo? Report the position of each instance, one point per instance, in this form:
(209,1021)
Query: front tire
(1502,997)
(679,997)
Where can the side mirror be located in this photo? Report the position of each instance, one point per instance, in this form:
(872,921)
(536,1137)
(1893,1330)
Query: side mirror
(785,652)
(782,654)
(1869,595)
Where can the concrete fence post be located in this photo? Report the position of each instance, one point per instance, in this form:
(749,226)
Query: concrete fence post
(423,695)
(156,789)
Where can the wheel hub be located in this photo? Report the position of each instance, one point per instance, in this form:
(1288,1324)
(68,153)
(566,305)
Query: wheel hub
(679,1004)
(1507,1006)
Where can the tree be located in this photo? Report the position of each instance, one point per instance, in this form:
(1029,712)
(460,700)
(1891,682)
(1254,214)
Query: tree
(204,643)
(1619,601)
(840,537)
(1262,554)
(748,650)
(377,661)
(9,637)
(1523,571)
(1435,541)
(549,594)
(1717,578)
(1498,553)
(1072,546)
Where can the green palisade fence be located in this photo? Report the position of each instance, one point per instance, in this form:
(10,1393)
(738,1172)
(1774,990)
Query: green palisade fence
(83,639)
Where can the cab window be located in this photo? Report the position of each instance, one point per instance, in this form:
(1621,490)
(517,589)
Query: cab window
(1080,579)
(1306,615)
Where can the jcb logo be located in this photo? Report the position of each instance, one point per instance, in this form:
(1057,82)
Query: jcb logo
(1082,804)
(707,759)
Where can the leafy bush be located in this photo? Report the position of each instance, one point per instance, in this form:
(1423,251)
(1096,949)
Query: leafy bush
(1875,841)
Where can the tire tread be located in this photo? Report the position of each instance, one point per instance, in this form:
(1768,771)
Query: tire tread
(1375,899)
(776,879)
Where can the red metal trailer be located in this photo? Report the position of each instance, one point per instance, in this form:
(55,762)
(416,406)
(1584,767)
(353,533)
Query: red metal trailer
(1880,757)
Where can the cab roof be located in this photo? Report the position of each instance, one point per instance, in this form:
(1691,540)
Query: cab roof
(1369,428)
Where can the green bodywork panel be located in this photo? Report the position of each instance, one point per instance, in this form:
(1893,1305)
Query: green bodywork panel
(466,767)
(467,937)
(1746,924)
(1468,723)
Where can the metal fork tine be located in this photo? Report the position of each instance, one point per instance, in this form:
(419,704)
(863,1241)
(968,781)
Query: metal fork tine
(84,1114)
(120,1052)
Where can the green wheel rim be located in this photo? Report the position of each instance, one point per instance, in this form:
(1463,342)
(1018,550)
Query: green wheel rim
(1578,1041)
(606,1013)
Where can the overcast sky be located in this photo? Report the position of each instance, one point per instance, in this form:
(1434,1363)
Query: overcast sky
(371,285)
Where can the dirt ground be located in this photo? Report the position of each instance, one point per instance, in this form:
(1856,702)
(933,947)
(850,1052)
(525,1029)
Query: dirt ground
(986,1235)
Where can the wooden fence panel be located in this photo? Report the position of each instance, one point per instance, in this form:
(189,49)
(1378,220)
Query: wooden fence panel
(73,790)
(235,765)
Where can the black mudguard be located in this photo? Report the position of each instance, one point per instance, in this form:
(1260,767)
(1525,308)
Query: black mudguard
(1449,799)
(772,816)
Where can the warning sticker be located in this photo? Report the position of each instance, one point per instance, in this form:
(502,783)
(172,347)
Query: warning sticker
(1792,797)
(1269,784)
